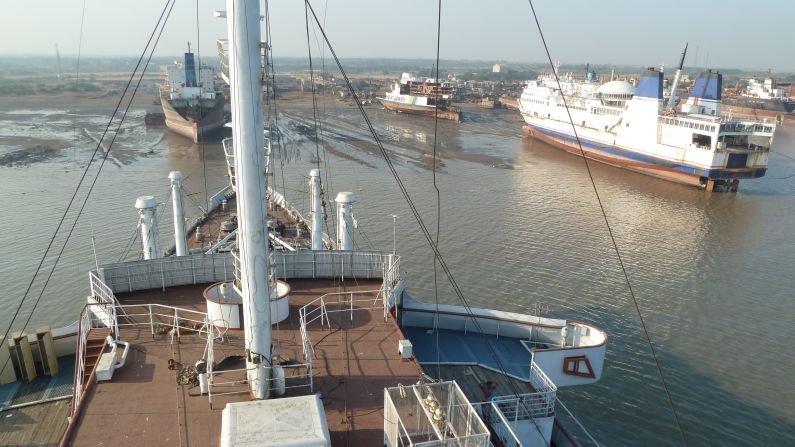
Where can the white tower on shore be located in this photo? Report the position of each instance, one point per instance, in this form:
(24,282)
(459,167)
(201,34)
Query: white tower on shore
(180,239)
(243,27)
(147,211)
(345,222)
(317,209)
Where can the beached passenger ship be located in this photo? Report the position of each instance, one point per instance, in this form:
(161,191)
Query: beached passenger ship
(633,128)
(422,96)
(191,105)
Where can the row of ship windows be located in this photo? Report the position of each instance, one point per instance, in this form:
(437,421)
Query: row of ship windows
(688,124)
(572,107)
(604,111)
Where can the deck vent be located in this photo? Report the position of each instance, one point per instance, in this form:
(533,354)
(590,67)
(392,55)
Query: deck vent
(21,352)
(8,375)
(49,360)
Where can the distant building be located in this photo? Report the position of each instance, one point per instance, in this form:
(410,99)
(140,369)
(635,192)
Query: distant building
(497,68)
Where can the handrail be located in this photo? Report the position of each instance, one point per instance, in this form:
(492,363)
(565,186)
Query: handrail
(489,410)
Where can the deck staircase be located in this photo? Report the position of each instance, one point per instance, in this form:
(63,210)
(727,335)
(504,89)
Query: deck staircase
(96,341)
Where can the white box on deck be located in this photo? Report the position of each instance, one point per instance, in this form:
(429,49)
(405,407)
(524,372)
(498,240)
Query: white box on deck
(105,366)
(405,348)
(285,422)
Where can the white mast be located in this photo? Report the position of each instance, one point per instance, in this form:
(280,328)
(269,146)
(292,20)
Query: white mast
(672,98)
(243,26)
(317,210)
(345,222)
(179,213)
(147,210)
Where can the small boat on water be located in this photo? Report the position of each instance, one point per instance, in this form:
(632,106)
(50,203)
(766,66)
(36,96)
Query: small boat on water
(632,127)
(191,104)
(422,97)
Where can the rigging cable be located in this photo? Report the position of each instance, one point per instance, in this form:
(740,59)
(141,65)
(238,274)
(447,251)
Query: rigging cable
(77,70)
(612,237)
(270,88)
(423,228)
(85,174)
(315,116)
(438,192)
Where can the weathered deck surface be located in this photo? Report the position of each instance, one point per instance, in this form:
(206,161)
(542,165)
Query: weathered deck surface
(355,359)
(287,227)
(37,425)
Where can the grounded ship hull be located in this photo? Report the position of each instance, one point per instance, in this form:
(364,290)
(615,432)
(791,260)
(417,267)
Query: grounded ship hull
(630,127)
(395,106)
(634,161)
(761,104)
(188,122)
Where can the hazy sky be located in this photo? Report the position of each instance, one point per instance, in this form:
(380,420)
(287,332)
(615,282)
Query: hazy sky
(744,34)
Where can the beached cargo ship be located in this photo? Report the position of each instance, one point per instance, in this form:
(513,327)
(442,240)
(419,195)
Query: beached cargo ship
(634,128)
(763,95)
(423,97)
(191,104)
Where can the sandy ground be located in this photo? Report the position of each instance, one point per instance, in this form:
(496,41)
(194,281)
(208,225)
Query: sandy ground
(93,100)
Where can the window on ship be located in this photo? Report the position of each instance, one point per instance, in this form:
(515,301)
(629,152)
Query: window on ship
(405,89)
(702,140)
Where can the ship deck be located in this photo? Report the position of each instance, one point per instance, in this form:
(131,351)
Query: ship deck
(34,413)
(289,229)
(355,359)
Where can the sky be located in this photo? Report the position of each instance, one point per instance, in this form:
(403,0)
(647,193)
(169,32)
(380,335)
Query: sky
(722,34)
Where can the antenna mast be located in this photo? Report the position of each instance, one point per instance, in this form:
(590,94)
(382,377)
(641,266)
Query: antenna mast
(672,98)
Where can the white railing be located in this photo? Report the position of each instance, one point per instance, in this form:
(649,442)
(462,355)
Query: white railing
(83,326)
(526,406)
(155,316)
(105,310)
(218,198)
(99,312)
(496,421)
(318,309)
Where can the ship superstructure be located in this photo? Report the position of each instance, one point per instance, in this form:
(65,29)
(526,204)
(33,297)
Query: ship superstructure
(632,127)
(422,96)
(191,104)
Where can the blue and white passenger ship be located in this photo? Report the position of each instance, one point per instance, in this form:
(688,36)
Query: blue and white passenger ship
(634,128)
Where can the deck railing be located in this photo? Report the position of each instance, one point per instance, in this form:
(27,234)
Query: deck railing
(540,404)
(497,423)
(101,311)
(84,325)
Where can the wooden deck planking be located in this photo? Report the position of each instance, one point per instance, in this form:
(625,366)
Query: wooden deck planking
(40,425)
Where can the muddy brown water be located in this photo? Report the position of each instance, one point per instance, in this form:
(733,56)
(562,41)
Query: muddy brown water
(520,228)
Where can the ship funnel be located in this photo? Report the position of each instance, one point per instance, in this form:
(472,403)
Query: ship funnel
(708,86)
(190,70)
(705,98)
(650,85)
(345,221)
(147,207)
